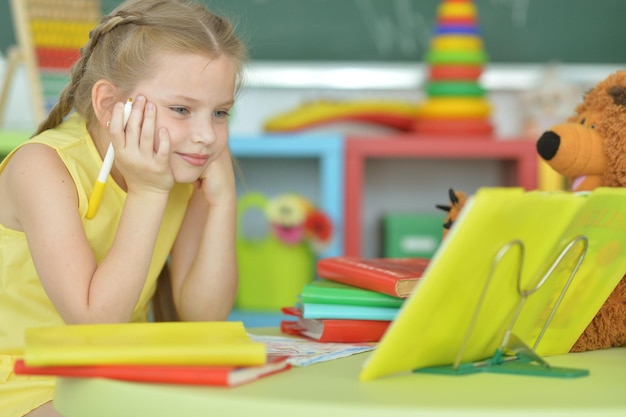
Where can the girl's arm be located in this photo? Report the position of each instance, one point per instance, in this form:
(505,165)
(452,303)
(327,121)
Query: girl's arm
(44,200)
(204,262)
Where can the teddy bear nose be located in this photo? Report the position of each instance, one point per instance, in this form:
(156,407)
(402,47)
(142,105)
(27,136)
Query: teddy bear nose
(548,145)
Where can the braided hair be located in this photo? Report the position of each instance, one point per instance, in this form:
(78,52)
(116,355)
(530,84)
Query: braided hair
(124,47)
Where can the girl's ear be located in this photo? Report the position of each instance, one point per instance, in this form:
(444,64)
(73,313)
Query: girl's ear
(103,96)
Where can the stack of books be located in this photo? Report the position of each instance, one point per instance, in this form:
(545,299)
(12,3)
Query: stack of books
(195,353)
(355,299)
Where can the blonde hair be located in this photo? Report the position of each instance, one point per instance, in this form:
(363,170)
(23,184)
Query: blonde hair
(123,47)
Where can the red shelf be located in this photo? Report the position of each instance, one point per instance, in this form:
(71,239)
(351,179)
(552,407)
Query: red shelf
(518,157)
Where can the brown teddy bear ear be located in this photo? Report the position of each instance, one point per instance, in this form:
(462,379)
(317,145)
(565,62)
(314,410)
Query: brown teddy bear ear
(619,95)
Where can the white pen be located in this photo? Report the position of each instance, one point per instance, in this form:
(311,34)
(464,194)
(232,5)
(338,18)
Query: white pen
(105,170)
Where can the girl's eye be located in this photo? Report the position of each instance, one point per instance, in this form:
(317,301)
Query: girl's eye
(221,114)
(180,110)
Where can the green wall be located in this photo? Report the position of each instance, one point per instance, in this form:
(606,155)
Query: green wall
(525,31)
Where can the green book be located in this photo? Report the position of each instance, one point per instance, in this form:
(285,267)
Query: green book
(347,312)
(323,291)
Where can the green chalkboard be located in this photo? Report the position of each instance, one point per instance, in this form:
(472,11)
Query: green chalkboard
(514,31)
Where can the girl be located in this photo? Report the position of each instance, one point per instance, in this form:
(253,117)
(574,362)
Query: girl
(171,192)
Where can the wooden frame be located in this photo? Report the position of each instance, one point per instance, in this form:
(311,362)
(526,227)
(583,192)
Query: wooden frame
(518,158)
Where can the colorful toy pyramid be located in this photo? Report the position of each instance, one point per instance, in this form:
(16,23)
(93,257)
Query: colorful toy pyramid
(456,103)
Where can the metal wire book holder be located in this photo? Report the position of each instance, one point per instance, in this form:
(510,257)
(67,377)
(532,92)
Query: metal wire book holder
(513,356)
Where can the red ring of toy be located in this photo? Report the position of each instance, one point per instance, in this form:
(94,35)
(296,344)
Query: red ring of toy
(455,72)
(459,127)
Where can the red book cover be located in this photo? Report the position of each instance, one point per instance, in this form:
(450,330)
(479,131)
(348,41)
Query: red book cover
(393,276)
(330,330)
(167,374)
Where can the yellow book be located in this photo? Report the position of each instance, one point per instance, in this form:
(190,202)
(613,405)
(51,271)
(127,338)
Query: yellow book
(466,303)
(602,220)
(184,343)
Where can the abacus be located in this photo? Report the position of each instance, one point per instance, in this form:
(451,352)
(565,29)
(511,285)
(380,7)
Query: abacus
(49,36)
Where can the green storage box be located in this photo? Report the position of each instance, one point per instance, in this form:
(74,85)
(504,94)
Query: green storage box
(406,235)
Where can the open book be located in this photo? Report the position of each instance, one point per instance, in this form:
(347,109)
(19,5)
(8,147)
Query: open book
(492,277)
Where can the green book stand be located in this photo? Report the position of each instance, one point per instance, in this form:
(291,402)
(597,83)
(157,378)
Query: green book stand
(514,356)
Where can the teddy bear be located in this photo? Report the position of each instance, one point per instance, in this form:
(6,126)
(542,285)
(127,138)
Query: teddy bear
(589,149)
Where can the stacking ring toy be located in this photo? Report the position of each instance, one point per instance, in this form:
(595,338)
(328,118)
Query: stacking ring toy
(440,107)
(455,42)
(466,21)
(460,127)
(455,72)
(457,9)
(452,29)
(454,88)
(456,57)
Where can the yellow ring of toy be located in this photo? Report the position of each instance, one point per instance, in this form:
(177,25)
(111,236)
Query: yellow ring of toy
(454,108)
(456,42)
(456,10)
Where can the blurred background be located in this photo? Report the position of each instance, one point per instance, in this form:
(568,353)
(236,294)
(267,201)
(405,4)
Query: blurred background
(331,91)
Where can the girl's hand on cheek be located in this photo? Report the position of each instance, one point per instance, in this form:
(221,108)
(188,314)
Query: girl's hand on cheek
(218,179)
(141,157)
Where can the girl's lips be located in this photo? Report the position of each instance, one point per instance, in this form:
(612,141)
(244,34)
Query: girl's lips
(194,159)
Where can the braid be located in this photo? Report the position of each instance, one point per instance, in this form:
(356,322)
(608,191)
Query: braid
(64,105)
(111,22)
(66,100)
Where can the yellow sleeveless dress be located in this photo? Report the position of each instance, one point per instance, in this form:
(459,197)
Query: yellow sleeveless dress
(23,301)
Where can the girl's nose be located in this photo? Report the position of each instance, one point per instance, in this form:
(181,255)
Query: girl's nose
(204,132)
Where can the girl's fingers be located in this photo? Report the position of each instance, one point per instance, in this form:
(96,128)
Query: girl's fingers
(140,146)
(146,141)
(116,125)
(163,149)
(133,127)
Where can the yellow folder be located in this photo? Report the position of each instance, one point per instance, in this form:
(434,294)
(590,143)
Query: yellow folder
(172,343)
(465,289)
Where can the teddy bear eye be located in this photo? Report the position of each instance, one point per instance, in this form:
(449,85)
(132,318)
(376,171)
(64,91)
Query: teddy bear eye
(582,121)
(592,126)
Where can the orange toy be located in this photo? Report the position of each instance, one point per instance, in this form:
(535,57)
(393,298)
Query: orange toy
(589,149)
(457,201)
